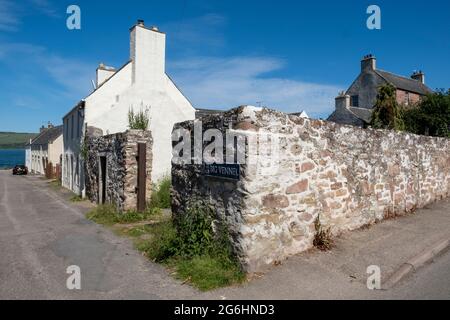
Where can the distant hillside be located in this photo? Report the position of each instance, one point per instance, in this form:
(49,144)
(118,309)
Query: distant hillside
(15,140)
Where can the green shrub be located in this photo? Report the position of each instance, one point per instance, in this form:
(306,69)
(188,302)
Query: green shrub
(163,244)
(107,214)
(161,194)
(431,116)
(386,111)
(195,230)
(197,253)
(76,198)
(103,214)
(138,120)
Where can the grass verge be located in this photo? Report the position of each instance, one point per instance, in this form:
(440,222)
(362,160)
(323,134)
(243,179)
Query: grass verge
(76,198)
(55,184)
(189,249)
(161,194)
(210,268)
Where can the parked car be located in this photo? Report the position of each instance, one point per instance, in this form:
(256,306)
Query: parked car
(20,169)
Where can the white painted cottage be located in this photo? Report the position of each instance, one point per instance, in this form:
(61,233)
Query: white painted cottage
(141,83)
(45,149)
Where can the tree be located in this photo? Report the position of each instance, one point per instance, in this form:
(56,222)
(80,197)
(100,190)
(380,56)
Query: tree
(387,113)
(431,116)
(138,120)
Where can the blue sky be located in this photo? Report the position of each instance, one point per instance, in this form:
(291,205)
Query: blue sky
(288,55)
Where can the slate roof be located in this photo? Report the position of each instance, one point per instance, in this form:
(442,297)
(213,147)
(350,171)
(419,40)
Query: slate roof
(403,83)
(362,113)
(48,136)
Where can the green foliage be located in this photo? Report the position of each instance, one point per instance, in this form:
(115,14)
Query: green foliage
(163,243)
(161,194)
(55,184)
(387,113)
(108,215)
(84,150)
(138,120)
(431,116)
(322,238)
(195,230)
(208,272)
(76,198)
(14,140)
(198,253)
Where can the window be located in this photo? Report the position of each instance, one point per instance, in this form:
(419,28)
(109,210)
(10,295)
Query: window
(406,101)
(72,124)
(354,101)
(78,126)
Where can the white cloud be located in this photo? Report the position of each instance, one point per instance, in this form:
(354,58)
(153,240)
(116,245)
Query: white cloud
(71,77)
(223,83)
(45,7)
(12,13)
(10,16)
(74,75)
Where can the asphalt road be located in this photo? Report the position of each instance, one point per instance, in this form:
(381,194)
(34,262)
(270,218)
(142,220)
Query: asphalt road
(41,235)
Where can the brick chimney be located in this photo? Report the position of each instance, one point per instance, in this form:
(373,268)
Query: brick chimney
(147,53)
(419,76)
(369,62)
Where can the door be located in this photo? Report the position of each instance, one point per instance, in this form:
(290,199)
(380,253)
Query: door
(102,180)
(142,176)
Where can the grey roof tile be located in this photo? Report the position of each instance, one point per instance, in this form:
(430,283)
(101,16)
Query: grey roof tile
(48,135)
(403,83)
(362,113)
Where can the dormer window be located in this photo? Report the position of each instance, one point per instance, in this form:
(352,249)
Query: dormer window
(354,101)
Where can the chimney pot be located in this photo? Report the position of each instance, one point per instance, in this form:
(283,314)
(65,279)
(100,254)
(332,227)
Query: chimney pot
(369,62)
(140,22)
(418,76)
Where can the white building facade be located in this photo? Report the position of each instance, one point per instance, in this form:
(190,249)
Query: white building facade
(45,149)
(141,84)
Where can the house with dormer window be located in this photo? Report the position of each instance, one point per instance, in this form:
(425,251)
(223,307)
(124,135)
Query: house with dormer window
(355,105)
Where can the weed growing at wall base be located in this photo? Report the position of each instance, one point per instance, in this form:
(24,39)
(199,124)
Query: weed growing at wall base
(196,252)
(322,239)
(108,215)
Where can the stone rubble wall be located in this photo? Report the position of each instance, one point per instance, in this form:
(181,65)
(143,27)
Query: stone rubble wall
(349,177)
(120,150)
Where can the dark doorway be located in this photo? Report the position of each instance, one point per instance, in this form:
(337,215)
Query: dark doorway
(142,176)
(102,179)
